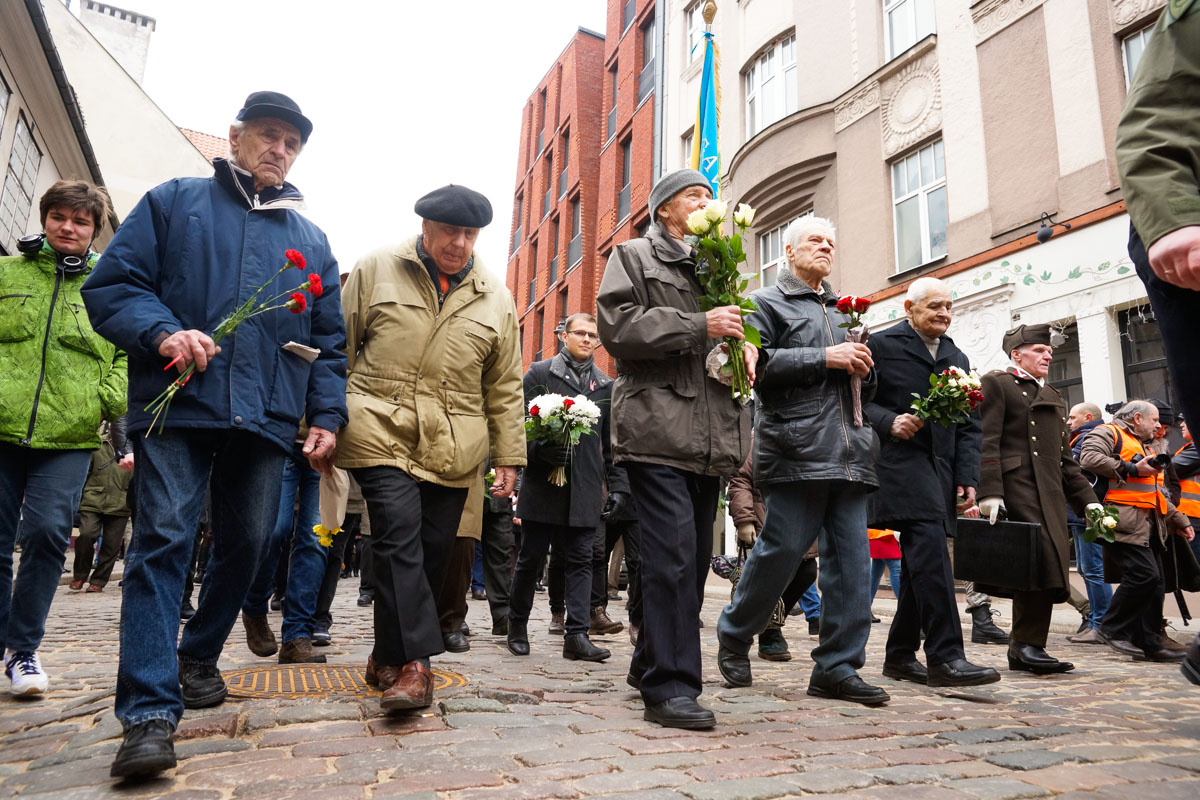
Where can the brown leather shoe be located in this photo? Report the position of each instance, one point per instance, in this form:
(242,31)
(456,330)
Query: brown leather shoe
(382,676)
(300,651)
(602,623)
(412,689)
(558,623)
(94,587)
(259,636)
(75,586)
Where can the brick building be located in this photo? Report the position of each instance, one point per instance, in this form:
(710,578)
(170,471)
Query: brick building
(552,267)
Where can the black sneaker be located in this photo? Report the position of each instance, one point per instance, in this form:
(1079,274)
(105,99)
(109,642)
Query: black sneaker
(187,610)
(202,685)
(364,600)
(148,749)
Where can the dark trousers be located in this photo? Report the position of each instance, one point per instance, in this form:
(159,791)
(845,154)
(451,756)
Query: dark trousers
(1136,611)
(630,532)
(333,570)
(806,576)
(413,527)
(576,545)
(499,558)
(926,595)
(366,582)
(676,510)
(452,595)
(1031,616)
(110,530)
(602,546)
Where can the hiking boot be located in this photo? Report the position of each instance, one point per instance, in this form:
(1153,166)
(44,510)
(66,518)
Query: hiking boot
(603,624)
(557,623)
(259,636)
(147,750)
(983,630)
(202,685)
(300,651)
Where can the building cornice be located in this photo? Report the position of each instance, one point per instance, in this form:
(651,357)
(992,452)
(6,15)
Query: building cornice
(1130,13)
(992,16)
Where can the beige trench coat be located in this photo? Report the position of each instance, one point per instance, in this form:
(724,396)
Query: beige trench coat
(430,390)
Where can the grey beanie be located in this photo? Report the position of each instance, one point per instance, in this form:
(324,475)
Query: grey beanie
(672,184)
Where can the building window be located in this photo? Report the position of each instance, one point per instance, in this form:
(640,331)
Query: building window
(906,22)
(541,142)
(1133,46)
(688,142)
(1146,375)
(566,161)
(626,179)
(612,110)
(533,268)
(695,32)
(771,91)
(4,92)
(539,327)
(1066,372)
(772,255)
(575,246)
(646,78)
(554,257)
(19,183)
(516,240)
(547,196)
(919,200)
(563,297)
(628,12)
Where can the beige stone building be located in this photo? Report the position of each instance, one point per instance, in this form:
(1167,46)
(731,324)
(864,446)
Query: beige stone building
(937,134)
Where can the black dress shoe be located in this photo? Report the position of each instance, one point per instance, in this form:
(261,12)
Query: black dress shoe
(187,610)
(734,667)
(500,627)
(147,750)
(1162,654)
(961,672)
(634,681)
(365,600)
(1031,658)
(853,689)
(578,647)
(518,638)
(455,642)
(908,671)
(1122,646)
(680,712)
(202,685)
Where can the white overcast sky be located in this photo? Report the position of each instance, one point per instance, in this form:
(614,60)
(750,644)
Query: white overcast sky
(404,96)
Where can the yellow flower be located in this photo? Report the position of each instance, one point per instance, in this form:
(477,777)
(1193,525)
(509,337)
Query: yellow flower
(324,535)
(744,215)
(697,223)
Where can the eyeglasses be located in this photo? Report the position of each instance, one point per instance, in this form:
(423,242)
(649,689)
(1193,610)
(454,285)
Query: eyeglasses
(585,335)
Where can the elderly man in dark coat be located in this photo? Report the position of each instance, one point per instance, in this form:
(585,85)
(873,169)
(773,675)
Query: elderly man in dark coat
(566,515)
(1027,467)
(922,468)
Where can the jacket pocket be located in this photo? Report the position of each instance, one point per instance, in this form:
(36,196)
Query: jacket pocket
(18,318)
(289,387)
(658,419)
(1009,464)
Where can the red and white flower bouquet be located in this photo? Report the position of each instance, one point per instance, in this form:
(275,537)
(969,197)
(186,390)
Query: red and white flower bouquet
(953,395)
(563,421)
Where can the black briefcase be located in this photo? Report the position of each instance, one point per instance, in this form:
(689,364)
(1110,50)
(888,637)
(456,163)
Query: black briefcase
(1007,555)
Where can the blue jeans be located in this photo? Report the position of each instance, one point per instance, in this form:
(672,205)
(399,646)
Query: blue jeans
(1089,560)
(173,469)
(796,514)
(892,565)
(306,567)
(39,492)
(477,567)
(810,603)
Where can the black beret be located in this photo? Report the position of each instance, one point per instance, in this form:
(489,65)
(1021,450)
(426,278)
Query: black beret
(455,205)
(1025,334)
(1166,414)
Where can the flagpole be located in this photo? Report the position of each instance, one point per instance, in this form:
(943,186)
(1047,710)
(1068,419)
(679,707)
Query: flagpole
(710,13)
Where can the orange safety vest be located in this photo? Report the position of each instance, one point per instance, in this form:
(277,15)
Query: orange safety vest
(1136,491)
(1189,492)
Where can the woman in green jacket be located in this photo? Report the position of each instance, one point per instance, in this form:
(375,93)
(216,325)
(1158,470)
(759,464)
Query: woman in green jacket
(58,379)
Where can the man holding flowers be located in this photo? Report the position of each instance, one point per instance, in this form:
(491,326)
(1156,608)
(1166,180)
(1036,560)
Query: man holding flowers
(927,468)
(193,260)
(814,467)
(676,430)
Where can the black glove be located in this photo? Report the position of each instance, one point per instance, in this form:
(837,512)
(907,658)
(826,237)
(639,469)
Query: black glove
(556,455)
(614,506)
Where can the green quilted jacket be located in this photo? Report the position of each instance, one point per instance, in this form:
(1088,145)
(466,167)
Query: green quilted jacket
(58,377)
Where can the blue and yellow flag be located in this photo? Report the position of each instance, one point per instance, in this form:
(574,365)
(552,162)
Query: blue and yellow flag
(705,157)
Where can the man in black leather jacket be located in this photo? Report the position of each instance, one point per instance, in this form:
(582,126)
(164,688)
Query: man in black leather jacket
(815,468)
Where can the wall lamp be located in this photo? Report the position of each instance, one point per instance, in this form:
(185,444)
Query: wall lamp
(1047,228)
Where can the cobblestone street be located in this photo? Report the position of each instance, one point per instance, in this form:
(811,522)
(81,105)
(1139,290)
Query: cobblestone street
(546,727)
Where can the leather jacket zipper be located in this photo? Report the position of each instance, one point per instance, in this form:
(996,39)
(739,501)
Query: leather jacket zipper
(841,410)
(37,395)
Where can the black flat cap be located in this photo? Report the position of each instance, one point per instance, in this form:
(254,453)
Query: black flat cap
(455,205)
(279,106)
(1025,334)
(1166,414)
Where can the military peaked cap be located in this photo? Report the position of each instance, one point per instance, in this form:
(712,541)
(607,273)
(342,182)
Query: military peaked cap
(1025,334)
(455,205)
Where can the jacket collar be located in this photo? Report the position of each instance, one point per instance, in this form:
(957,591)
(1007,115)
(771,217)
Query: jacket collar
(792,286)
(241,185)
(560,369)
(478,276)
(665,249)
(915,345)
(1086,427)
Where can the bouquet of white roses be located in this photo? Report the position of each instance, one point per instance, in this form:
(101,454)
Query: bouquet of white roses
(1101,522)
(953,395)
(562,421)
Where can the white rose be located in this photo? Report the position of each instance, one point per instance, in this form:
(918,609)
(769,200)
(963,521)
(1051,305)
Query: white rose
(744,215)
(1110,522)
(714,212)
(1093,507)
(698,223)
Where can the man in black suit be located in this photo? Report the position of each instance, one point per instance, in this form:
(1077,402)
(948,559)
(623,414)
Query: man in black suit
(925,470)
(566,515)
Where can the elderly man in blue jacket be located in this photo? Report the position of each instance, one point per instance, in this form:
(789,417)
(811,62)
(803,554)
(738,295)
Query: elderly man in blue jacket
(189,253)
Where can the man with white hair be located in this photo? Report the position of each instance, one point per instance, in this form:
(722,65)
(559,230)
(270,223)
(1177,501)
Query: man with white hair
(814,468)
(925,471)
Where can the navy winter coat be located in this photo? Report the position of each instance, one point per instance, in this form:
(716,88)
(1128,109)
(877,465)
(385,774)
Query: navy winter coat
(187,255)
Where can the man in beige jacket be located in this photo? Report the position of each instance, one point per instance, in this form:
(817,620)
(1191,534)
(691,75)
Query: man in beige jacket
(434,384)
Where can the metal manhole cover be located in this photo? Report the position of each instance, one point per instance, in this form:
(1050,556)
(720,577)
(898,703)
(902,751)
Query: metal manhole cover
(315,680)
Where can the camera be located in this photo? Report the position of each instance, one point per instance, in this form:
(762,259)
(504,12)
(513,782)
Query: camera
(1160,461)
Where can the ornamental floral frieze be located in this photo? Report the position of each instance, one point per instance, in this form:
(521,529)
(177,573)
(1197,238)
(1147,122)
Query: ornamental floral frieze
(993,16)
(1127,11)
(856,106)
(911,104)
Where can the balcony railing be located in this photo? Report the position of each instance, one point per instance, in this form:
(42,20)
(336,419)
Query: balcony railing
(623,203)
(612,123)
(553,270)
(575,250)
(646,81)
(516,242)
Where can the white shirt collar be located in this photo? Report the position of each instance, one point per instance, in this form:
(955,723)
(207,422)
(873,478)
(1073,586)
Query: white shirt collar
(1023,374)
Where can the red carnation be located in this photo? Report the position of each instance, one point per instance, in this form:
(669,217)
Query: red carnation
(533,411)
(861,304)
(314,284)
(568,402)
(297,304)
(845,305)
(296,258)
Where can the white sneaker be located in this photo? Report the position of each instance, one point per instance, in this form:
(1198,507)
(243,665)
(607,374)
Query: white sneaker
(24,669)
